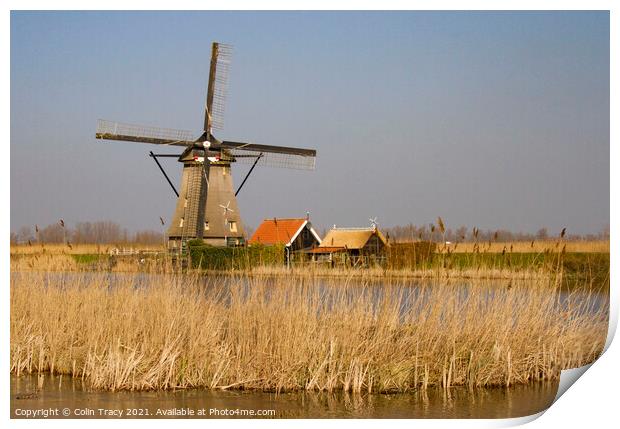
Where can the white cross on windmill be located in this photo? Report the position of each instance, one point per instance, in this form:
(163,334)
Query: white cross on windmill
(373,222)
(226,210)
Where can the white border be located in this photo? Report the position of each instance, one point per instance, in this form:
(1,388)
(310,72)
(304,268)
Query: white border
(591,402)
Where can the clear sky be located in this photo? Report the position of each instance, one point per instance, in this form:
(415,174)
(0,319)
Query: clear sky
(495,120)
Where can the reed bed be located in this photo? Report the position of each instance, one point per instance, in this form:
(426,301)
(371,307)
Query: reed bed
(167,331)
(77,249)
(579,246)
(537,246)
(58,262)
(481,273)
(70,262)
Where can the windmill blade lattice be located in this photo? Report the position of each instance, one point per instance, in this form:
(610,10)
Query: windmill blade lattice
(110,130)
(217,90)
(271,159)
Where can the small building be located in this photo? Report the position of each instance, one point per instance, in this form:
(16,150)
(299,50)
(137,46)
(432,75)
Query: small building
(296,235)
(351,247)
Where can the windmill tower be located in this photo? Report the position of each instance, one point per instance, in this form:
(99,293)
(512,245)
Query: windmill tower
(206,181)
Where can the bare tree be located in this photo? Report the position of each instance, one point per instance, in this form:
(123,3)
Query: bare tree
(249,231)
(148,237)
(542,234)
(24,235)
(101,232)
(461,233)
(54,233)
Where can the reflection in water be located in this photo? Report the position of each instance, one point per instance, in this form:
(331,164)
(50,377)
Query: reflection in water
(64,392)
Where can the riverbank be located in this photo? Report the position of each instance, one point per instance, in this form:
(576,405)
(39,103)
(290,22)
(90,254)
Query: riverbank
(30,394)
(586,268)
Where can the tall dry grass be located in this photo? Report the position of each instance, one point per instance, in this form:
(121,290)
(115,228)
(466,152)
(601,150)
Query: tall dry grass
(537,246)
(76,249)
(296,333)
(85,262)
(422,273)
(64,262)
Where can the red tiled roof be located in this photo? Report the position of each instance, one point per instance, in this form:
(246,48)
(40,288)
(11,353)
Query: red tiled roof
(277,231)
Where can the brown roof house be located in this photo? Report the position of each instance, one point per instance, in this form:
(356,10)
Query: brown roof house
(351,247)
(296,235)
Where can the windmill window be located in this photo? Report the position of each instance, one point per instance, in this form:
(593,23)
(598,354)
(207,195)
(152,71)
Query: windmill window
(181,222)
(206,226)
(233,226)
(185,203)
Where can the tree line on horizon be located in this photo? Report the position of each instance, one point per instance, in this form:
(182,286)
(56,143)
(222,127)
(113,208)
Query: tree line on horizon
(100,232)
(438,233)
(107,232)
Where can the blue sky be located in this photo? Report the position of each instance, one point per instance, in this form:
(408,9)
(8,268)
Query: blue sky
(495,120)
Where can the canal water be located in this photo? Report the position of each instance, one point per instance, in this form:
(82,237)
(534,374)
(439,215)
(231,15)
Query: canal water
(405,290)
(64,397)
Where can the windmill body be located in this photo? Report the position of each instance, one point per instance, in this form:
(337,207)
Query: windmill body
(206,180)
(188,219)
(229,231)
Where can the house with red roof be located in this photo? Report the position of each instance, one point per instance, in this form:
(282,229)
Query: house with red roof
(294,234)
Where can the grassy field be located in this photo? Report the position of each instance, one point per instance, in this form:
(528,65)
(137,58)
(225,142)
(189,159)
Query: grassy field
(299,332)
(583,267)
(584,264)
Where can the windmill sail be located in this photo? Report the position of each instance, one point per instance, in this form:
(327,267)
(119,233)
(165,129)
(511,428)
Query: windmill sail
(279,160)
(271,156)
(253,147)
(218,86)
(109,130)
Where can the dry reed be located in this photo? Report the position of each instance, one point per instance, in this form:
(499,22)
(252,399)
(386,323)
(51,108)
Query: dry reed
(302,332)
(76,249)
(596,246)
(65,262)
(538,246)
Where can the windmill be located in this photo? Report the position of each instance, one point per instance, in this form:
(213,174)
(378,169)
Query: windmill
(206,182)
